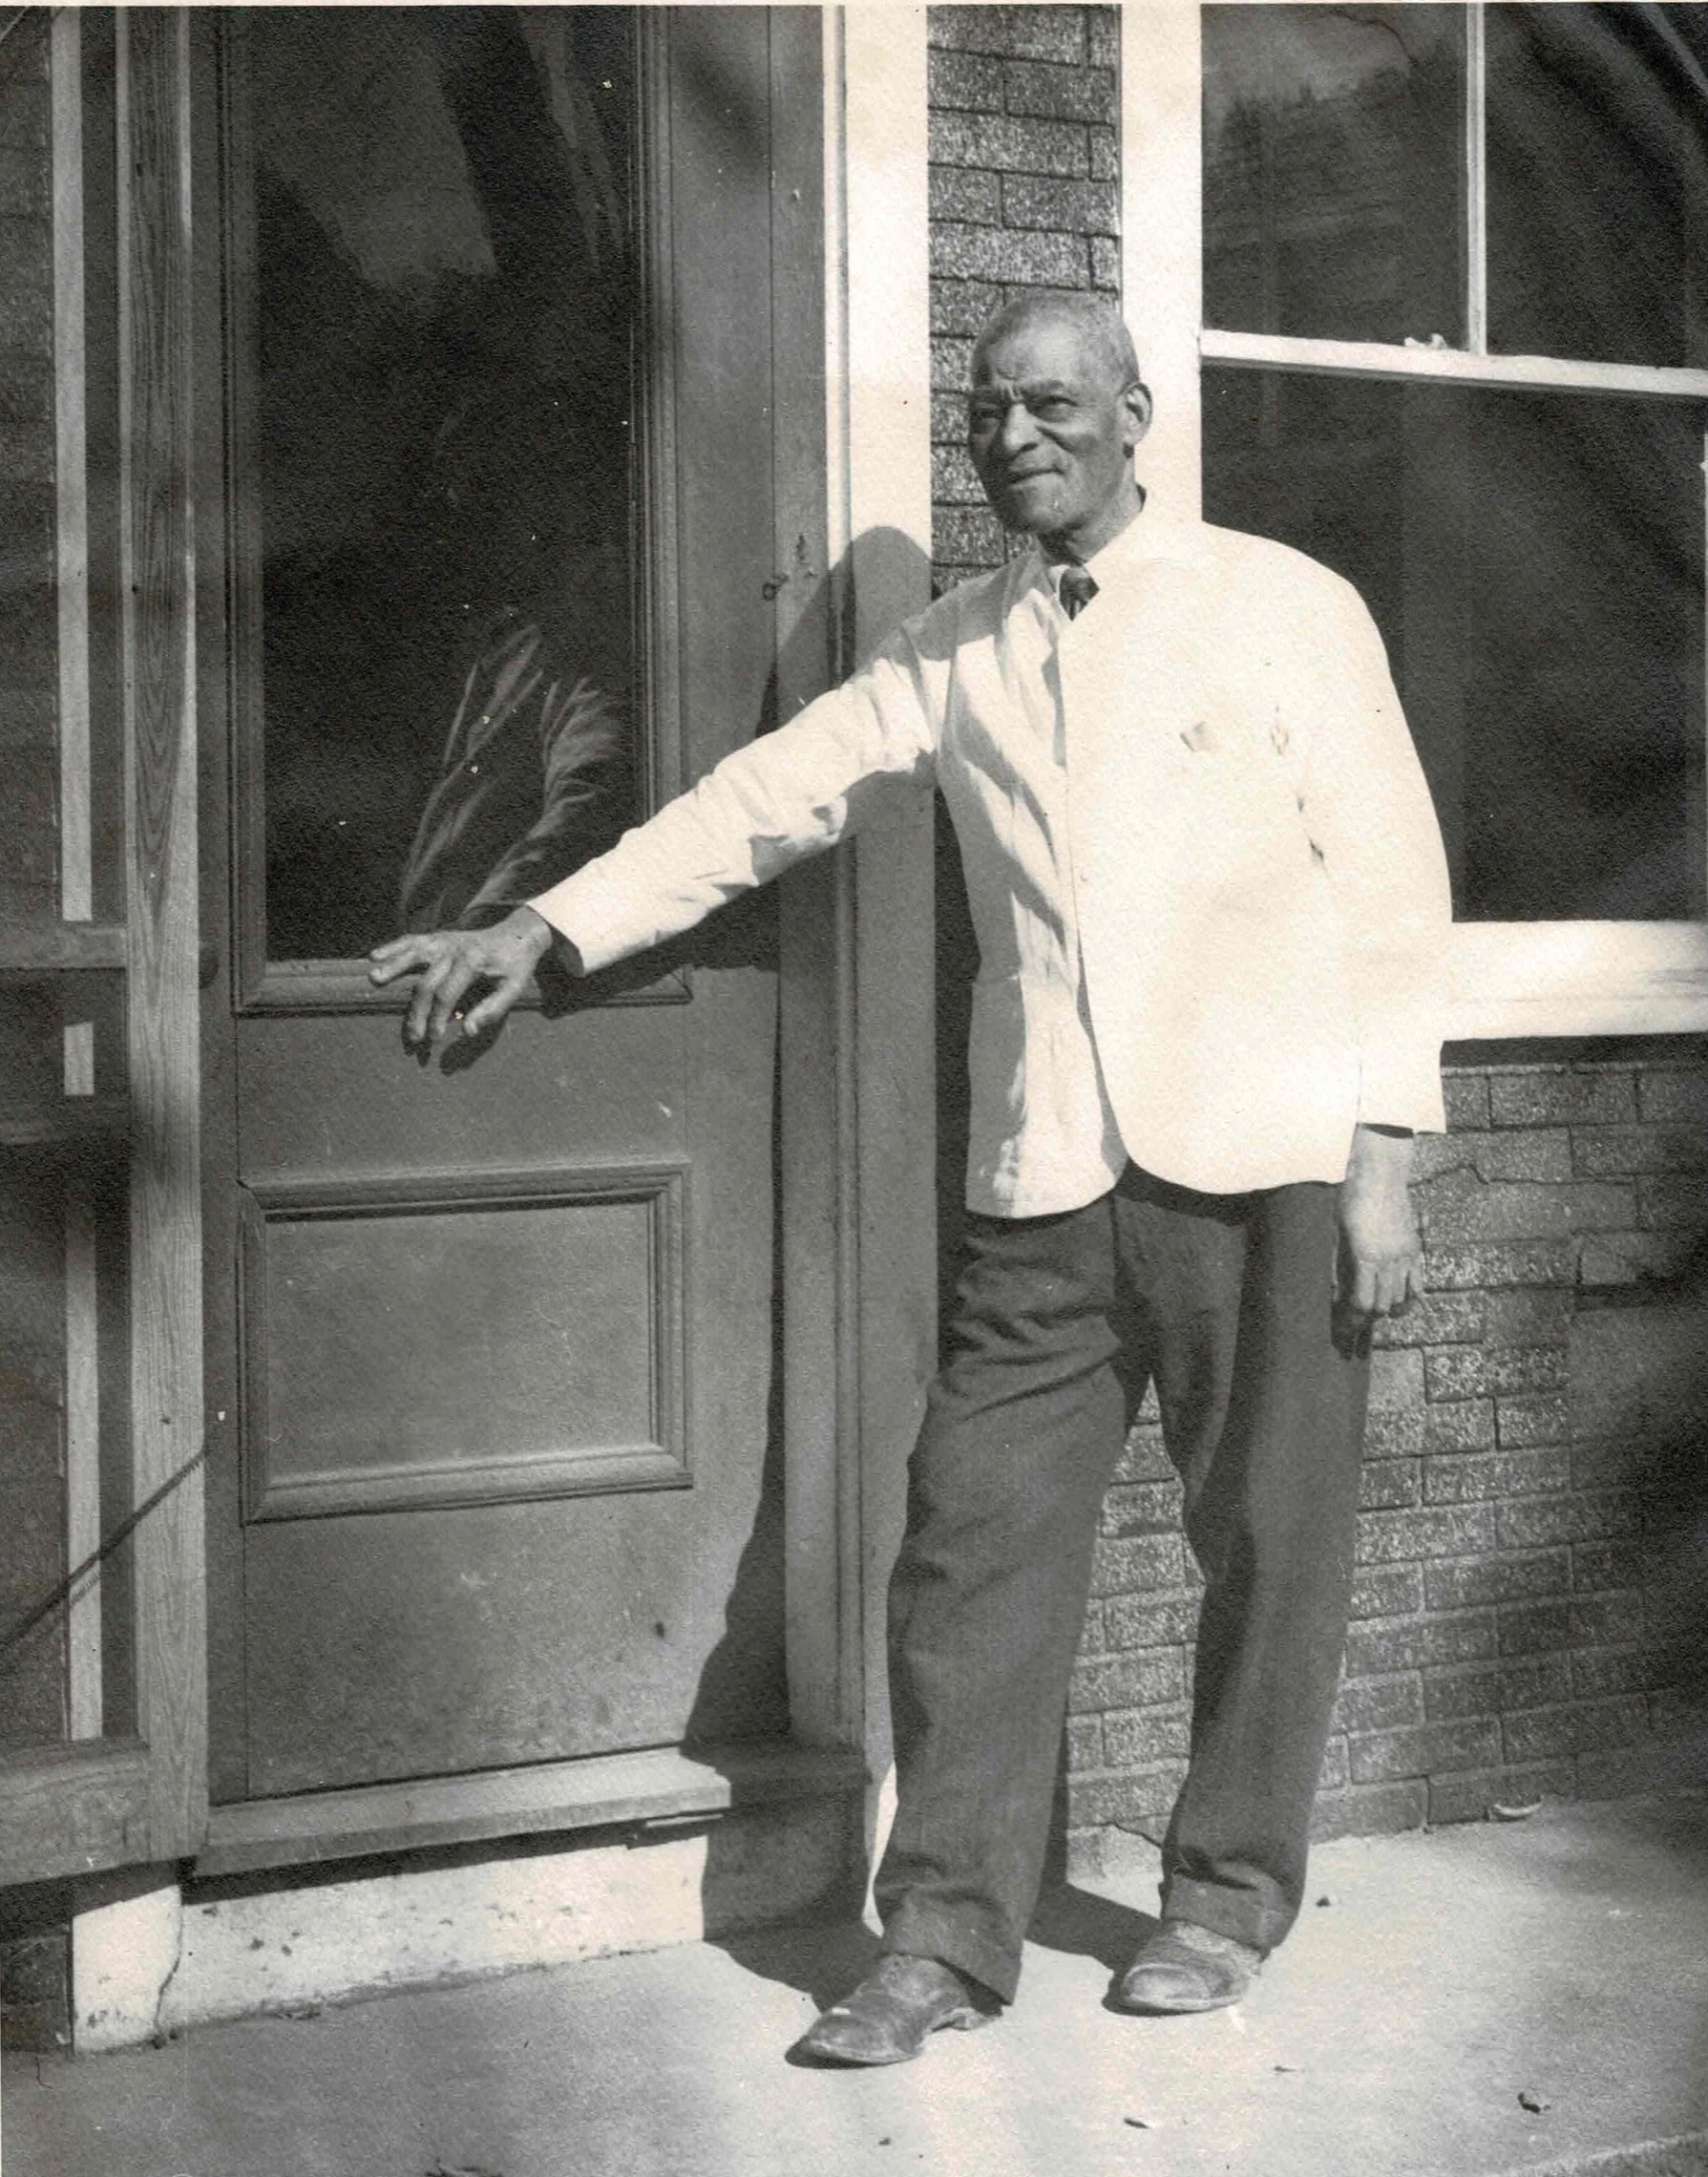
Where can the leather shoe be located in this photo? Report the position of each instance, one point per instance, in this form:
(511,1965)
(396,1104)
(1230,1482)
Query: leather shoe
(888,2016)
(1183,1967)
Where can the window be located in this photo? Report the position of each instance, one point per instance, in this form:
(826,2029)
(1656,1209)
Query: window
(1450,336)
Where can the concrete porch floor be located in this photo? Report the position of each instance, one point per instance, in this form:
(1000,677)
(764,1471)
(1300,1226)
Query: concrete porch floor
(1433,1981)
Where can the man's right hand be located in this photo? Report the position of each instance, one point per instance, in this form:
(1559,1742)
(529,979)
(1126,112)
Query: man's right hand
(452,962)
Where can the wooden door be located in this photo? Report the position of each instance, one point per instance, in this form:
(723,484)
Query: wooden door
(493,1469)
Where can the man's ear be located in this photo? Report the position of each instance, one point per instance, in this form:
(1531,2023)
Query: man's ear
(1136,403)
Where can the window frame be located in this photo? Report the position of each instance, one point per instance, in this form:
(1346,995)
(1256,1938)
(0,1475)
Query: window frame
(1540,978)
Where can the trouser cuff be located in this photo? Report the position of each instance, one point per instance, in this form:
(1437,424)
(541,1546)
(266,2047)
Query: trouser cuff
(1244,1915)
(925,1933)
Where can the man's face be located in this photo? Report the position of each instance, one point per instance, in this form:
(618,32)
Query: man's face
(1050,431)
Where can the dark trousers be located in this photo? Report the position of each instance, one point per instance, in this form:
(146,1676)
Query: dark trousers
(1060,1322)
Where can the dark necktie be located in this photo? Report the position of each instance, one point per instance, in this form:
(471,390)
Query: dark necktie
(1076,590)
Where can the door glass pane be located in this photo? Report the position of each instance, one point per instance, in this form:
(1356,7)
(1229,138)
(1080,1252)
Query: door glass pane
(1332,165)
(1598,183)
(1535,562)
(438,410)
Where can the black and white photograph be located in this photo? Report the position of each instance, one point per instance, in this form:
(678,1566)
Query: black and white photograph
(854,1089)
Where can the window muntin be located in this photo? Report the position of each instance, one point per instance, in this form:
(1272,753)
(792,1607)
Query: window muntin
(1553,534)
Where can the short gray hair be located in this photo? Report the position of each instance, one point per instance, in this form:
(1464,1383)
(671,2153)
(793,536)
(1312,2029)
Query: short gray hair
(1098,322)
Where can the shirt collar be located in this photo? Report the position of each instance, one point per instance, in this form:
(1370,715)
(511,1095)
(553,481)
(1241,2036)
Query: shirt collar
(1149,537)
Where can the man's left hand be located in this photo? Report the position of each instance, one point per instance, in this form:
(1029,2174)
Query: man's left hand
(1380,1269)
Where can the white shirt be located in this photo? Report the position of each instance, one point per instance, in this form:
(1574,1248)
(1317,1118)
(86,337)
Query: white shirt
(1203,867)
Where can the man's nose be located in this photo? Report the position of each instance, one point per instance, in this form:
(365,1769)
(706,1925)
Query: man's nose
(1017,431)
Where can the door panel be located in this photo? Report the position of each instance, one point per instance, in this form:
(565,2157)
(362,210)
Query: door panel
(500,1480)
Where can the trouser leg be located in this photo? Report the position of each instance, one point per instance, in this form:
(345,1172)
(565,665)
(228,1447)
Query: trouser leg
(1022,1431)
(1264,1416)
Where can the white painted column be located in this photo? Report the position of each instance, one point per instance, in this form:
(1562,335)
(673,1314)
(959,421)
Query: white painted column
(1162,220)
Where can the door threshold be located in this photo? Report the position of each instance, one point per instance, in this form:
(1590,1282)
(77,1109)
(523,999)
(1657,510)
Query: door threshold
(658,1784)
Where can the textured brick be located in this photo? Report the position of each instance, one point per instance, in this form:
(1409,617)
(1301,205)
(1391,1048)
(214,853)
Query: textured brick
(1639,1257)
(1574,1517)
(1396,1379)
(1052,93)
(963,193)
(1127,1796)
(1600,1565)
(1615,1671)
(948,428)
(1673,1198)
(1460,1424)
(1489,1690)
(954,480)
(1476,1371)
(968,538)
(1455,1211)
(1084,1743)
(1093,1639)
(1553,1097)
(1144,1457)
(1639,1371)
(1046,260)
(1467,1098)
(1675,1095)
(1599,1464)
(1385,1536)
(1142,1508)
(1143,1621)
(1496,1475)
(1603,1150)
(1103,36)
(1468,1796)
(1387,1590)
(1591,1726)
(1399,1434)
(1528,1317)
(1105,154)
(962,307)
(1336,1772)
(1607,1621)
(1519,1421)
(1025,33)
(952,366)
(1076,207)
(1496,1579)
(1419,1749)
(1145,1561)
(1545,1155)
(1402,1644)
(1140,1738)
(1009,146)
(1528,1263)
(1388,1485)
(965,81)
(1371,1810)
(1536,1628)
(1438,1319)
(1133,1678)
(1378,1703)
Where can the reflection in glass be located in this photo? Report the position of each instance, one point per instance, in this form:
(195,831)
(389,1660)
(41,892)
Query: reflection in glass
(1535,563)
(1332,162)
(1598,183)
(441,424)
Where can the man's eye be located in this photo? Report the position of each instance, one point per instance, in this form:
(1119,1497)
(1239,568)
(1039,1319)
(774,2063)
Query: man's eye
(1055,406)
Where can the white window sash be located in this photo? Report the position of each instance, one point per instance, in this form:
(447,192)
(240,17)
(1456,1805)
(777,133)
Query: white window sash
(1509,978)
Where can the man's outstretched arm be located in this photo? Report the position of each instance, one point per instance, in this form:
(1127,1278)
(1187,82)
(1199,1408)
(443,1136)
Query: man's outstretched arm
(767,806)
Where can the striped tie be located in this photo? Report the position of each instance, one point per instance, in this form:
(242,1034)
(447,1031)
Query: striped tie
(1076,590)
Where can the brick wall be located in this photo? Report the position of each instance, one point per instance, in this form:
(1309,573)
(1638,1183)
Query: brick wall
(1534,1536)
(1533,1589)
(1025,192)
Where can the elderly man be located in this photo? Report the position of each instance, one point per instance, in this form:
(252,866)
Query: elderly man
(1208,894)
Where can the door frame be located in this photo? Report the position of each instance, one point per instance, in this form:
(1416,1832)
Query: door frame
(856,1087)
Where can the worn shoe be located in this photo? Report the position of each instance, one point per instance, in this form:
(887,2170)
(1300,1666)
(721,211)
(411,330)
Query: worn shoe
(1184,1967)
(888,2016)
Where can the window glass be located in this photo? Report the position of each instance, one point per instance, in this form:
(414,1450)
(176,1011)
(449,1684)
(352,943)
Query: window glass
(1332,171)
(1597,160)
(1535,562)
(439,346)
